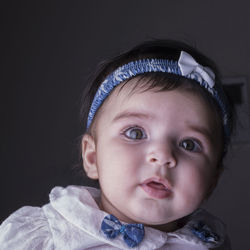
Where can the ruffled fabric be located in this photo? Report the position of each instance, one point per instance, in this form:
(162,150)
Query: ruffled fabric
(27,228)
(204,229)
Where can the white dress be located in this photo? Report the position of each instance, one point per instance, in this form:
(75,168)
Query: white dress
(72,220)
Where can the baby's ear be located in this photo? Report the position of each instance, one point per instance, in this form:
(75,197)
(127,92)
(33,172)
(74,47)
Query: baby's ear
(89,156)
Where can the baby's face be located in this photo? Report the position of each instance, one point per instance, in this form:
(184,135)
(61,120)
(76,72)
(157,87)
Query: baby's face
(156,154)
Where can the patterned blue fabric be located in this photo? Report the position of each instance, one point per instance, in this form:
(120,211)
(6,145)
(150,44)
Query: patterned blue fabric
(132,233)
(203,232)
(135,68)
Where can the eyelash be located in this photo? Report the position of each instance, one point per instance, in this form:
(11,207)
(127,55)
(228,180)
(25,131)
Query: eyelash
(130,129)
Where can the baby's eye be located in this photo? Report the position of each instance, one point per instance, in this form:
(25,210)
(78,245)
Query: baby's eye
(135,133)
(191,145)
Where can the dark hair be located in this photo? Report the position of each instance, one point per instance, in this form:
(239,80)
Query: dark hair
(162,49)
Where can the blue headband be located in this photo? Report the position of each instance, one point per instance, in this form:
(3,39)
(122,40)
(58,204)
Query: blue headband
(186,66)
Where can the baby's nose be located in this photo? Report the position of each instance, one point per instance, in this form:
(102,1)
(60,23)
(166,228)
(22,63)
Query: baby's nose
(162,154)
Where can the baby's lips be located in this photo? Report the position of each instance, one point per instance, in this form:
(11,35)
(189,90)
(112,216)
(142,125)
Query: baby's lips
(157,188)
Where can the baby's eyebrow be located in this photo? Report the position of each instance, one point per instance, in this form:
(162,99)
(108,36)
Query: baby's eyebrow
(129,114)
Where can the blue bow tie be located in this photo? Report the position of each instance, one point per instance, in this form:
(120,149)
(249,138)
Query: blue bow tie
(132,233)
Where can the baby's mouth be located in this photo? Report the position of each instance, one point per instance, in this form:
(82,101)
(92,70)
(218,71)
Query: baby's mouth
(157,188)
(156,185)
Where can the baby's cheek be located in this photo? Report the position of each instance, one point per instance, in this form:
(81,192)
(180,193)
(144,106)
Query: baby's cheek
(192,184)
(127,155)
(116,167)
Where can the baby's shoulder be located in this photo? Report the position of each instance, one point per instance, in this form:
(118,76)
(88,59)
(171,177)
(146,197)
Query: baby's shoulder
(27,228)
(207,229)
(43,227)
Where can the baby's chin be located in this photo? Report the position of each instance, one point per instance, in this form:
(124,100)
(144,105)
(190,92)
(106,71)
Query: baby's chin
(157,216)
(165,225)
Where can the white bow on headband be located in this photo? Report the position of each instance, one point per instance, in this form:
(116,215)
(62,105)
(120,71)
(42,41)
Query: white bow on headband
(188,66)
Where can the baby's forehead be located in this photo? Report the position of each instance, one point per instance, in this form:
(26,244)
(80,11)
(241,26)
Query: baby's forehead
(138,94)
(146,84)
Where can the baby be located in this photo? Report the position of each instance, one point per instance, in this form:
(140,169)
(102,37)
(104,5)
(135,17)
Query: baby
(158,127)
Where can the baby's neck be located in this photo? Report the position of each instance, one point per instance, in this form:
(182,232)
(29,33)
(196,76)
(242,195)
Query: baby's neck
(169,227)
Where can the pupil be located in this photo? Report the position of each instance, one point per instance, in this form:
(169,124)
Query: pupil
(189,145)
